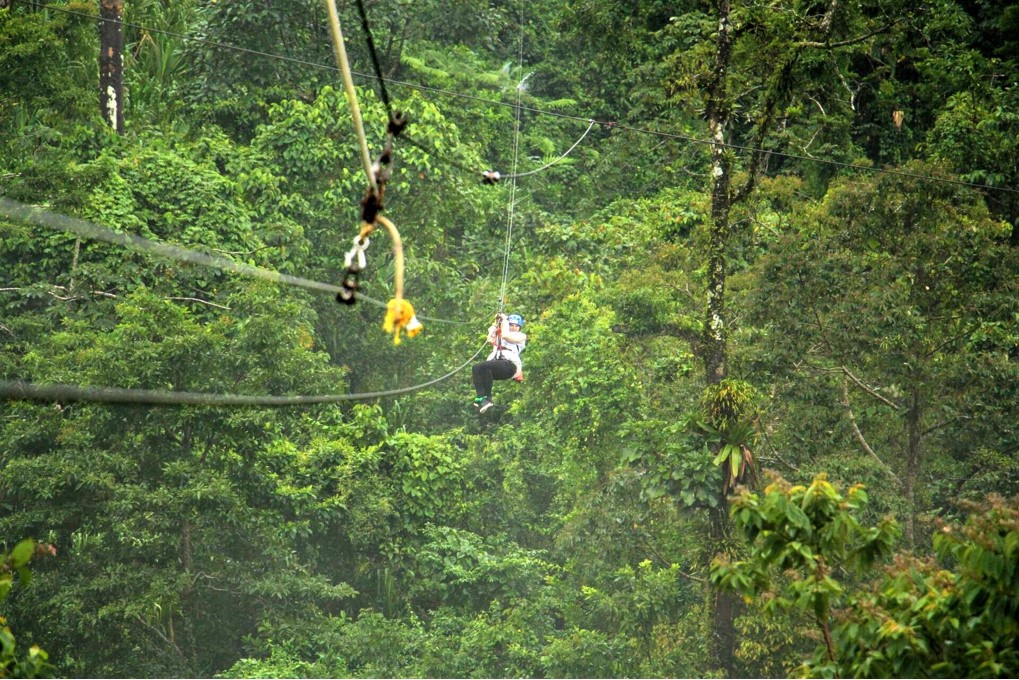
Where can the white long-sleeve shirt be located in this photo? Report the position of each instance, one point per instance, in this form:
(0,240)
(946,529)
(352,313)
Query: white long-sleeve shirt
(508,346)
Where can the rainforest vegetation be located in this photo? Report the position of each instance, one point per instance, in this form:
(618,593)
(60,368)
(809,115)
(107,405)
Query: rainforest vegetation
(767,255)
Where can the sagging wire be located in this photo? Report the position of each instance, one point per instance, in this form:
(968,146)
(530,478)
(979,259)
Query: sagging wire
(494,176)
(19,390)
(38,216)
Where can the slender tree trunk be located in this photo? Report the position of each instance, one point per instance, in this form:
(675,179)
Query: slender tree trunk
(715,330)
(724,195)
(111,63)
(71,288)
(914,458)
(715,370)
(723,602)
(723,641)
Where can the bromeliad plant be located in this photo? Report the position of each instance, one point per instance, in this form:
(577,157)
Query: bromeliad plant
(730,431)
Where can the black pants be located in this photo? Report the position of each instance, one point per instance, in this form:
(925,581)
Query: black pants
(487,371)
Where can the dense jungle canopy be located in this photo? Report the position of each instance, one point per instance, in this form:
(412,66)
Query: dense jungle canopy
(766,252)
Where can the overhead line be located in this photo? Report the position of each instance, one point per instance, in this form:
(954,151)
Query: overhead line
(85,229)
(513,180)
(17,390)
(554,114)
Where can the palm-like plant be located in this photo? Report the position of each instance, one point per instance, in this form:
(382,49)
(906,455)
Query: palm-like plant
(731,432)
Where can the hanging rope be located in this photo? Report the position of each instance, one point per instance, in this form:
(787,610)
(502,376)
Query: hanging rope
(340,50)
(375,58)
(16,390)
(493,176)
(400,317)
(513,183)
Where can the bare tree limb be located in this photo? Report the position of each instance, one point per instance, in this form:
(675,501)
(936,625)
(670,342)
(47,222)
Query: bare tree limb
(944,423)
(850,41)
(774,452)
(168,641)
(952,340)
(204,302)
(869,390)
(859,435)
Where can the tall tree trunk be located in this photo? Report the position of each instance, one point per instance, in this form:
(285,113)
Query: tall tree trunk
(715,328)
(914,459)
(111,63)
(723,640)
(719,103)
(723,602)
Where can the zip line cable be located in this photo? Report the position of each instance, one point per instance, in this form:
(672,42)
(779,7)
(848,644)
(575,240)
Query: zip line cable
(79,227)
(89,230)
(20,390)
(513,179)
(551,163)
(491,177)
(543,112)
(16,390)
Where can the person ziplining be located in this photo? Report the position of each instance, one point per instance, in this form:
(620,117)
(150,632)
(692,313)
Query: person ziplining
(505,336)
(503,362)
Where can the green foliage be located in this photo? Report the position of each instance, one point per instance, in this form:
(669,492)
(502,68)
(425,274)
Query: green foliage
(957,619)
(280,663)
(35,662)
(49,116)
(673,461)
(44,74)
(875,249)
(569,535)
(228,86)
(805,528)
(429,476)
(809,535)
(771,642)
(579,378)
(155,63)
(169,487)
(454,567)
(976,136)
(586,654)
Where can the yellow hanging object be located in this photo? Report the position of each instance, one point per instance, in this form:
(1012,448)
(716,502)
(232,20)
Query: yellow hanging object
(400,316)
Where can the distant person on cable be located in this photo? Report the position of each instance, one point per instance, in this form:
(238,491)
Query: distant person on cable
(504,361)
